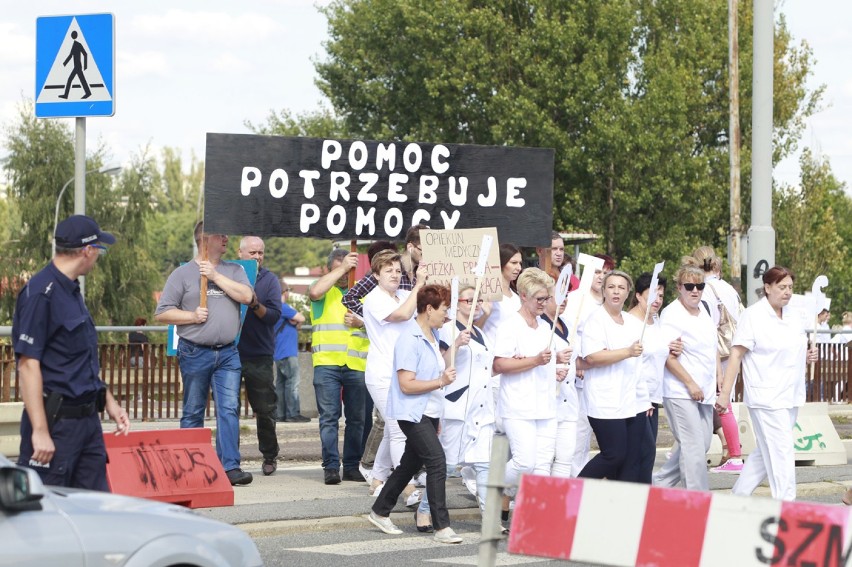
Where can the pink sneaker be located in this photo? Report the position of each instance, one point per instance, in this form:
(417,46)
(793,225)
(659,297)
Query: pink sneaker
(731,466)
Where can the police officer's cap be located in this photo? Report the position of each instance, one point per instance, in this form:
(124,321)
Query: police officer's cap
(79,230)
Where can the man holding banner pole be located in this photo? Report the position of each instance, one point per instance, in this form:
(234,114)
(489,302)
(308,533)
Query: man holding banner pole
(207,354)
(339,353)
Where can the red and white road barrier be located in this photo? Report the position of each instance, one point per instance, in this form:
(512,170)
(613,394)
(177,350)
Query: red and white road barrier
(624,524)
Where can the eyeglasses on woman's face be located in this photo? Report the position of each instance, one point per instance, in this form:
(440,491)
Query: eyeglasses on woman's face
(692,286)
(470,301)
(543,300)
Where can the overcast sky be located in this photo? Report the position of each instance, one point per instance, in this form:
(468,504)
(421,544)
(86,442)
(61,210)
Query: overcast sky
(191,67)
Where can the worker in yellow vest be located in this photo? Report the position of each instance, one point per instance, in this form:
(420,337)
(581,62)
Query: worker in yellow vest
(339,346)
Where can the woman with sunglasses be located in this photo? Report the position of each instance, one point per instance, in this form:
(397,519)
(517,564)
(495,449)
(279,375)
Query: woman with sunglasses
(772,346)
(689,381)
(525,360)
(611,349)
(467,426)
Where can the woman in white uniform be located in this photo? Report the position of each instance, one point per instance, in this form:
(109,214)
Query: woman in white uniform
(387,310)
(771,344)
(689,382)
(721,296)
(528,367)
(567,404)
(467,427)
(611,350)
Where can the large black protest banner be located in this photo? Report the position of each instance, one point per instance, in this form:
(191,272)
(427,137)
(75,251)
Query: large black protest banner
(344,189)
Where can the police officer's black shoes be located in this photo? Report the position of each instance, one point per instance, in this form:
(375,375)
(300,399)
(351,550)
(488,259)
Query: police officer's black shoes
(332,476)
(239,477)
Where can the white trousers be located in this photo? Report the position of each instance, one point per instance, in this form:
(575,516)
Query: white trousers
(584,437)
(392,446)
(774,456)
(692,425)
(532,442)
(451,441)
(566,439)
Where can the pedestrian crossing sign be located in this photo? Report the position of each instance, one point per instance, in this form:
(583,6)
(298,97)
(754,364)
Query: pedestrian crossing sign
(75,71)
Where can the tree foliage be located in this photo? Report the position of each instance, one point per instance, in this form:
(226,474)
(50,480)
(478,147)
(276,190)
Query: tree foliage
(40,162)
(632,95)
(813,226)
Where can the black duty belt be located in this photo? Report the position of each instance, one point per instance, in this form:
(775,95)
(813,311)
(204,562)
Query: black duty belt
(211,347)
(77,412)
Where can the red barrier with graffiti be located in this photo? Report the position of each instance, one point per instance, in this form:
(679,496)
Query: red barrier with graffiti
(171,465)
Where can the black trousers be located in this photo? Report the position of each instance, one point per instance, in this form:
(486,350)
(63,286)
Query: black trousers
(259,376)
(625,444)
(422,447)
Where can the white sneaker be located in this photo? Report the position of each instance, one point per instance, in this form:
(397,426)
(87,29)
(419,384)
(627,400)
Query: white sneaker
(414,498)
(447,535)
(469,479)
(366,473)
(383,524)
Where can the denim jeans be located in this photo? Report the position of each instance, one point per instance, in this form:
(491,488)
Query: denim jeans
(202,368)
(260,391)
(287,388)
(329,381)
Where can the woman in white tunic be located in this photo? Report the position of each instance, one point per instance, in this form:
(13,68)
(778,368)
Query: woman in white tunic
(771,344)
(689,382)
(467,427)
(387,309)
(567,404)
(495,312)
(528,367)
(611,349)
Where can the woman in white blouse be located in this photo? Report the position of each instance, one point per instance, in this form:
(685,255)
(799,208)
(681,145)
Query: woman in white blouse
(387,309)
(771,344)
(611,349)
(689,382)
(524,358)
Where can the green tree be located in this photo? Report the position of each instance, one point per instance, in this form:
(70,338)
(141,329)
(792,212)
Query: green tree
(40,161)
(632,95)
(813,232)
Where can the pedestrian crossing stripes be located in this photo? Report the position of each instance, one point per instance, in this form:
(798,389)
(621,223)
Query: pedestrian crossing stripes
(402,545)
(384,545)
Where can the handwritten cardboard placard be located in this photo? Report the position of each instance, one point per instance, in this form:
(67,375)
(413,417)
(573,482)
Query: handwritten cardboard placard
(324,188)
(454,253)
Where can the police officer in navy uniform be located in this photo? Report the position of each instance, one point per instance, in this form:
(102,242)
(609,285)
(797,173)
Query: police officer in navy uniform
(56,348)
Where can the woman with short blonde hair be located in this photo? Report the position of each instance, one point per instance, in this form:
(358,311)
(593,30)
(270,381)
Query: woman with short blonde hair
(689,381)
(526,401)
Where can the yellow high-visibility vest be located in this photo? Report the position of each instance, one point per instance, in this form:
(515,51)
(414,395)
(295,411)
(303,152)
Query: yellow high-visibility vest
(332,342)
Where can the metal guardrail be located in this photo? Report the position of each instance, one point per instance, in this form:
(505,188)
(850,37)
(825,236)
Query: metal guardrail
(153,390)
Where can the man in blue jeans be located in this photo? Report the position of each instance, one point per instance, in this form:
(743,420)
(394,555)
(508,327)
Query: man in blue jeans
(339,346)
(287,360)
(207,354)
